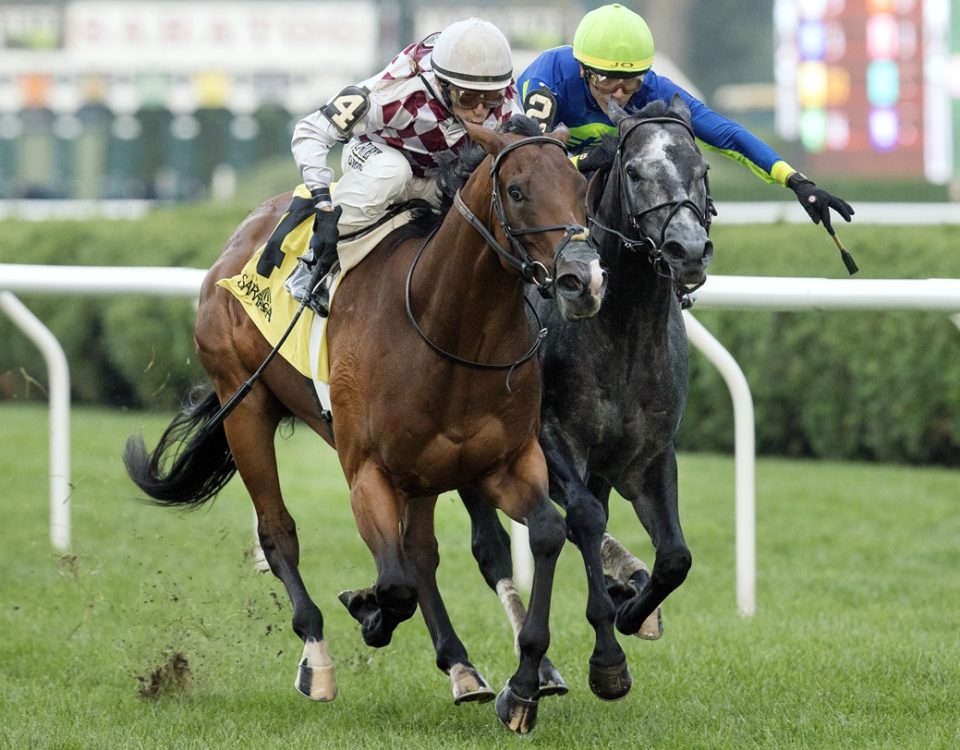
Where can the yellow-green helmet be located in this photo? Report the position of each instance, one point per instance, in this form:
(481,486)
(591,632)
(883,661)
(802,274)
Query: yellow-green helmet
(614,39)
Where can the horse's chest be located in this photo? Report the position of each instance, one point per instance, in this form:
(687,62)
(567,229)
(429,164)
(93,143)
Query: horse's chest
(450,457)
(623,442)
(623,419)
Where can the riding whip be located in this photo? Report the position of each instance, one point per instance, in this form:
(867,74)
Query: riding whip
(845,255)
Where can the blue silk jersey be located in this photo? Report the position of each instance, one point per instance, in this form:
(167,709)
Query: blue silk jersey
(559,71)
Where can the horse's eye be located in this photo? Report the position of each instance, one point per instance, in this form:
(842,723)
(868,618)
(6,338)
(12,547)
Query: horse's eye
(515,194)
(632,173)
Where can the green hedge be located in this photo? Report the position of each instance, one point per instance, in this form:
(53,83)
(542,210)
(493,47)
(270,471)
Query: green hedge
(134,351)
(861,385)
(835,384)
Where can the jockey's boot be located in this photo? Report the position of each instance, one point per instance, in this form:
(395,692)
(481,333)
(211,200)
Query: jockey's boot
(312,279)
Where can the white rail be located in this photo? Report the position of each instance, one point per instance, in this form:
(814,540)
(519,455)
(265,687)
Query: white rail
(59,415)
(745,459)
(743,292)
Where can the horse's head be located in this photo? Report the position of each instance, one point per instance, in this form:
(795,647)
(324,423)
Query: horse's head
(537,212)
(661,180)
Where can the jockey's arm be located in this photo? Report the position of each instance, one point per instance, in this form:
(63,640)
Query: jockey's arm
(347,114)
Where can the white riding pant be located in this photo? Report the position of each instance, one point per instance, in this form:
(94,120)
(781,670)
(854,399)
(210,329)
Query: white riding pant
(374,177)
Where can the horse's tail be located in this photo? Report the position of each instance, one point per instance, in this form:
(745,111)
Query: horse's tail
(202,463)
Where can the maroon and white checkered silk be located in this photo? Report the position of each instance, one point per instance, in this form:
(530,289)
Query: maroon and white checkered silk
(406,116)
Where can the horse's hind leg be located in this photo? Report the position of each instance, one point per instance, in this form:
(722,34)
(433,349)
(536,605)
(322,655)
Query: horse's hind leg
(420,548)
(491,549)
(250,434)
(654,497)
(377,510)
(626,573)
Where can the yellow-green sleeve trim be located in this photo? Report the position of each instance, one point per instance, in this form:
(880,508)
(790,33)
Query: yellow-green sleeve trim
(781,171)
(778,174)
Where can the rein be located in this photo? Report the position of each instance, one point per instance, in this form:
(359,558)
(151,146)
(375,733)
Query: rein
(453,357)
(645,242)
(532,272)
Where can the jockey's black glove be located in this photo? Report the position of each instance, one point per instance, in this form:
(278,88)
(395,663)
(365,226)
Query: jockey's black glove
(323,243)
(817,202)
(599,157)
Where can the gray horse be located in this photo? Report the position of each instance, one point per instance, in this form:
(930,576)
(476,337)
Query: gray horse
(615,388)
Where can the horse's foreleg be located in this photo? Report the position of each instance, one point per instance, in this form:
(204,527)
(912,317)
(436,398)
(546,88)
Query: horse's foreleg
(250,432)
(377,510)
(490,544)
(586,520)
(625,573)
(521,492)
(420,548)
(654,498)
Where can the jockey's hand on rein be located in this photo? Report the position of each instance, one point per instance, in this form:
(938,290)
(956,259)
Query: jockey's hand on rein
(323,243)
(817,202)
(596,158)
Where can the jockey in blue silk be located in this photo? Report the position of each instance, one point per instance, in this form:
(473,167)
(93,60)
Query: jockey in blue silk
(611,58)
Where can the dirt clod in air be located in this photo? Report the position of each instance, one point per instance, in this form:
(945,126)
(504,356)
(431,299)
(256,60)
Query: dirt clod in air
(169,678)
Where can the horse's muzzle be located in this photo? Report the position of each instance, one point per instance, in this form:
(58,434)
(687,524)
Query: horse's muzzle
(688,261)
(580,282)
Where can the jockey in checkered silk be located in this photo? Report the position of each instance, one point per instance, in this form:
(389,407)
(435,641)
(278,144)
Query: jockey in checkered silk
(611,59)
(394,126)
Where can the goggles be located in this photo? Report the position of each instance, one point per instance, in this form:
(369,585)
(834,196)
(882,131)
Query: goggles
(469,99)
(608,84)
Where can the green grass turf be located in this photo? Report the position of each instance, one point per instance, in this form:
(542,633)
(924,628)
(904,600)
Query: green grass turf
(854,645)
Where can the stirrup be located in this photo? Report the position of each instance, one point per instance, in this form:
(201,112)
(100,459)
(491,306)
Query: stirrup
(319,299)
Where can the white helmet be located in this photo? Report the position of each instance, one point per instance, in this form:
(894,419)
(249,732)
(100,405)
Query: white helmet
(473,54)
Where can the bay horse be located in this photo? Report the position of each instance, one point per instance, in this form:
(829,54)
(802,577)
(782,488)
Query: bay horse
(615,387)
(434,385)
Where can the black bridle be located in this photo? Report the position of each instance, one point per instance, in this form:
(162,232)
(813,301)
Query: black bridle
(532,271)
(644,242)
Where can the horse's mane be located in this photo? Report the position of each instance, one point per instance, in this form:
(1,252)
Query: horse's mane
(655,108)
(454,173)
(522,125)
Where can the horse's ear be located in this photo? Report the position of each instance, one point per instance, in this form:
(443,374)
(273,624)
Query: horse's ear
(679,106)
(560,133)
(615,112)
(491,141)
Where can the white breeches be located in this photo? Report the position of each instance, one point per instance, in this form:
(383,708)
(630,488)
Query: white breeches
(374,177)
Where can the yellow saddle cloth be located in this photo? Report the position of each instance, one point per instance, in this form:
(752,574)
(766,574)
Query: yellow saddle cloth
(260,285)
(259,288)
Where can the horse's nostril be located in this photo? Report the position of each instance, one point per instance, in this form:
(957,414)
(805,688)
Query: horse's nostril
(570,283)
(675,250)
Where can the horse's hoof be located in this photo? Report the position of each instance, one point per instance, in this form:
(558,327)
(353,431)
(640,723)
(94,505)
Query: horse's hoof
(362,606)
(517,714)
(469,686)
(652,628)
(628,619)
(315,675)
(551,683)
(358,603)
(610,683)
